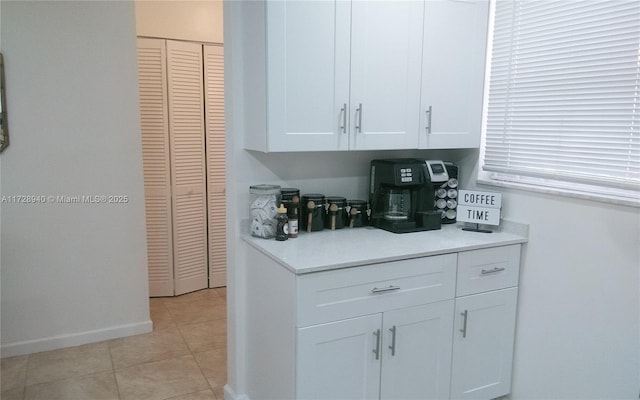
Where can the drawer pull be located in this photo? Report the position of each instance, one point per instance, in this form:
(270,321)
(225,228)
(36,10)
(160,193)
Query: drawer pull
(376,351)
(492,271)
(385,289)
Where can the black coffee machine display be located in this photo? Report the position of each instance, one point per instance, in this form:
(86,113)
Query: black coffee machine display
(402,194)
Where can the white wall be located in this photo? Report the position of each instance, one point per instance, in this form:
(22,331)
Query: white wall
(199,20)
(578,321)
(72,273)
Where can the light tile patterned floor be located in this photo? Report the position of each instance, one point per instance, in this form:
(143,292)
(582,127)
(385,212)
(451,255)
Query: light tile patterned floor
(184,358)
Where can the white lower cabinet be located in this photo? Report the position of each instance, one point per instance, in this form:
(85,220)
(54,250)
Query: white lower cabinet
(416,352)
(438,327)
(485,320)
(399,354)
(483,344)
(336,360)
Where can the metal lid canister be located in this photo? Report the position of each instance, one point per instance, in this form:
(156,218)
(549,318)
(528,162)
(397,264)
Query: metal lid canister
(291,200)
(358,213)
(336,217)
(312,212)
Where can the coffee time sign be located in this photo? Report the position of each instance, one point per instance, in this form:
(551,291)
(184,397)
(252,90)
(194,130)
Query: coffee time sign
(479,207)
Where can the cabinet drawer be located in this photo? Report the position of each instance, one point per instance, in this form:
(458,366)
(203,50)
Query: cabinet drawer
(488,269)
(345,293)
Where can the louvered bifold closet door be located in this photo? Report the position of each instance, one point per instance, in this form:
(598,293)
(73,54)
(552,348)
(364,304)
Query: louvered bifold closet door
(214,116)
(152,76)
(186,132)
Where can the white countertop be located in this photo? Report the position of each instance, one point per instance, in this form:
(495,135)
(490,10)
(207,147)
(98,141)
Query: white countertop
(349,247)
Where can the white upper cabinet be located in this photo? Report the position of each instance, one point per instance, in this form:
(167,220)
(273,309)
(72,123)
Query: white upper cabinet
(386,57)
(334,75)
(307,75)
(361,75)
(455,38)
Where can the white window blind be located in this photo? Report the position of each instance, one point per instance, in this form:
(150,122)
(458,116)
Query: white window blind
(564,92)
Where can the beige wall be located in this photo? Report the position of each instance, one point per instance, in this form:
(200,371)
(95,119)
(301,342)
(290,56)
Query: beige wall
(199,20)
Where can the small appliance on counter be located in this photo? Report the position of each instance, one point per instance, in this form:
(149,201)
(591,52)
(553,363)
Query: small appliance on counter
(402,193)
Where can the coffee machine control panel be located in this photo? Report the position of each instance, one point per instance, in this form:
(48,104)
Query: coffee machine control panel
(407,174)
(437,171)
(401,172)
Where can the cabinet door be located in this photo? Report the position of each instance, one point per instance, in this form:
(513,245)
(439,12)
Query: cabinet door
(307,75)
(340,360)
(455,35)
(386,52)
(416,360)
(186,133)
(152,73)
(483,339)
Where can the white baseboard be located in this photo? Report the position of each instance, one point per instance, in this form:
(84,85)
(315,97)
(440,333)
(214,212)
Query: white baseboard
(74,339)
(229,394)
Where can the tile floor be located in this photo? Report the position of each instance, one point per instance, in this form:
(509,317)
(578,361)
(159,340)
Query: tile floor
(184,358)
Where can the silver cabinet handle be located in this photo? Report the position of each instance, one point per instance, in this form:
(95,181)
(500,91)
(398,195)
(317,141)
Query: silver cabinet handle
(464,314)
(428,120)
(491,271)
(393,340)
(343,118)
(359,118)
(385,289)
(376,351)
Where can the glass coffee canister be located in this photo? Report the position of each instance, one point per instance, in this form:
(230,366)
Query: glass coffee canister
(336,217)
(263,211)
(312,212)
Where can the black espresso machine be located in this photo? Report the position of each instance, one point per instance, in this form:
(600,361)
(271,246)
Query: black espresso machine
(402,193)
